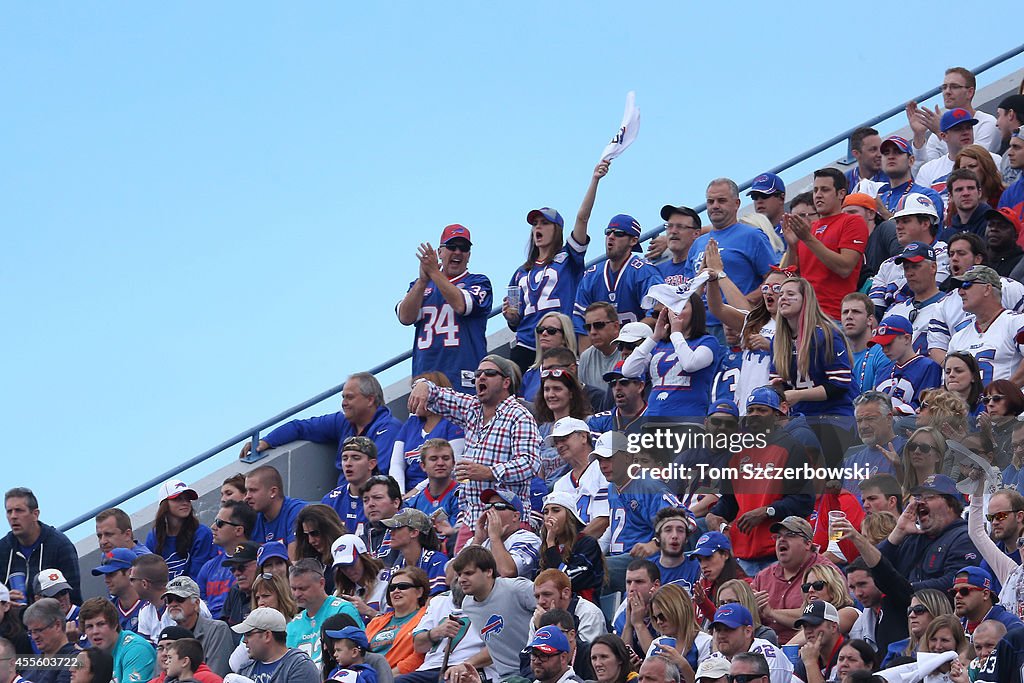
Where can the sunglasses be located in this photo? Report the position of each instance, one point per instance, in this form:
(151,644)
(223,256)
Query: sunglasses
(617,233)
(744,678)
(401,586)
(920,447)
(489,372)
(240,568)
(500,506)
(965,591)
(660,616)
(774,288)
(967,284)
(312,533)
(544,329)
(266,576)
(816,585)
(917,609)
(553,372)
(223,522)
(722,422)
(616,382)
(174,599)
(992,398)
(1000,516)
(457,246)
(597,325)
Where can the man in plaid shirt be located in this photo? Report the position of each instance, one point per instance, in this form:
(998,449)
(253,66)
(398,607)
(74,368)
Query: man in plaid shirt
(502,441)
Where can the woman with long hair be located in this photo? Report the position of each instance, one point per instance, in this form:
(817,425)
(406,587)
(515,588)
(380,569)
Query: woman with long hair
(11,626)
(681,359)
(962,376)
(406,467)
(233,488)
(177,535)
(553,331)
(560,395)
(946,634)
(1003,402)
(978,159)
(357,576)
(925,605)
(739,591)
(390,634)
(548,279)
(717,566)
(317,527)
(825,582)
(564,546)
(673,617)
(610,660)
(272,590)
(923,456)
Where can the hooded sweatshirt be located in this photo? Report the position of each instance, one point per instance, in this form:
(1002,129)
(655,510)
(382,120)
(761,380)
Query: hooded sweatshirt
(52,550)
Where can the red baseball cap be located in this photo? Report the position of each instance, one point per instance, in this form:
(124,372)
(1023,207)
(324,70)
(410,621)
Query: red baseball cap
(455,231)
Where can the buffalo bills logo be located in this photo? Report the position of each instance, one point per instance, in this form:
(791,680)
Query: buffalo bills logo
(53,576)
(924,201)
(542,635)
(494,626)
(761,179)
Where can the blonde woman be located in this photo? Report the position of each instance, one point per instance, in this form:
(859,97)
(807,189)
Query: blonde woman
(825,582)
(553,330)
(923,456)
(739,591)
(673,617)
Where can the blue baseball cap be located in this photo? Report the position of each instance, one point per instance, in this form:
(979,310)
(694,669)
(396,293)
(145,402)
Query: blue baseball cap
(724,406)
(503,495)
(915,252)
(548,213)
(708,543)
(732,615)
(271,550)
(954,117)
(892,326)
(765,396)
(976,577)
(937,483)
(627,224)
(549,640)
(114,561)
(767,183)
(900,142)
(353,633)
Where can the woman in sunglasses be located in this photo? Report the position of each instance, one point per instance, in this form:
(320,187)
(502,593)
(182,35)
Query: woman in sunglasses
(825,582)
(554,330)
(925,605)
(316,529)
(611,660)
(390,634)
(923,456)
(272,590)
(961,376)
(560,395)
(1003,402)
(679,640)
(681,359)
(756,324)
(739,591)
(564,547)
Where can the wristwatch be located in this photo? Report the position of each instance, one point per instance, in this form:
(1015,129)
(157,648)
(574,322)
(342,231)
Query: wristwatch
(770,511)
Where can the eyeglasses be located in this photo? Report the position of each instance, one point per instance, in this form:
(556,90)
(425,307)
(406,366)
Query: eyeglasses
(174,599)
(816,585)
(617,233)
(223,522)
(401,586)
(991,398)
(946,87)
(1000,516)
(624,380)
(682,226)
(33,632)
(545,329)
(787,534)
(489,372)
(457,246)
(500,506)
(964,591)
(537,654)
(553,372)
(744,678)
(597,325)
(920,447)
(240,568)
(774,289)
(917,609)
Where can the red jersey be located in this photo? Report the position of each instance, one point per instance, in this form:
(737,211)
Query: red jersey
(842,231)
(848,503)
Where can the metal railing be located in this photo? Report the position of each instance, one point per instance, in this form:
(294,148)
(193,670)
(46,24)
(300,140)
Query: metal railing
(253,433)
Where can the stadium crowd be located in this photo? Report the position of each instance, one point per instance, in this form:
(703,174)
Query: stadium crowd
(515,527)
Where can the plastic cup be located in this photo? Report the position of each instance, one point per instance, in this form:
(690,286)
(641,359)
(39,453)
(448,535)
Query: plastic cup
(792,653)
(835,516)
(515,297)
(16,582)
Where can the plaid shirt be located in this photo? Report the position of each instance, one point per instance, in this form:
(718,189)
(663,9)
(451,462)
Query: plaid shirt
(509,444)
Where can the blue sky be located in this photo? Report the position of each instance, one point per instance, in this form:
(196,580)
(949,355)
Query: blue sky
(210,209)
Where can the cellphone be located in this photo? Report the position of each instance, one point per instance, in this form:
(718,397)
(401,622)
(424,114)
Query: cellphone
(631,651)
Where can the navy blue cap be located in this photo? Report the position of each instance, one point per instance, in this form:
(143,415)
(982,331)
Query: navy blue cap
(767,183)
(627,224)
(937,483)
(915,252)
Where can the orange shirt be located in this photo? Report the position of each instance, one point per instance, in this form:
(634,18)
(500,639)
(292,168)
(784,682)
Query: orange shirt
(400,654)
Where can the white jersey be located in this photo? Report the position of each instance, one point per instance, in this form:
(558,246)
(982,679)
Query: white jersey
(996,349)
(754,369)
(921,316)
(524,547)
(951,313)
(935,173)
(887,285)
(985,134)
(591,492)
(780,669)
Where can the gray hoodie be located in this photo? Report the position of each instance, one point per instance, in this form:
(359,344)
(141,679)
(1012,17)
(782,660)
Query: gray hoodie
(295,667)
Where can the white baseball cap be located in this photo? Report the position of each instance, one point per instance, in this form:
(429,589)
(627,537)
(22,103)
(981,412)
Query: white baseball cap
(346,549)
(5,593)
(566,500)
(172,488)
(608,444)
(634,332)
(915,204)
(565,427)
(262,619)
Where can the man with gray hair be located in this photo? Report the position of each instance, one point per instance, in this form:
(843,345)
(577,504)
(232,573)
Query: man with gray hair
(880,452)
(183,606)
(44,620)
(659,670)
(747,255)
(363,413)
(751,665)
(502,441)
(306,580)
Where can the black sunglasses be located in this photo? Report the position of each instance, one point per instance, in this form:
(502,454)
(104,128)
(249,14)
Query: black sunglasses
(744,678)
(623,380)
(457,246)
(816,585)
(917,609)
(543,329)
(223,522)
(401,586)
(489,372)
(597,325)
(991,398)
(617,233)
(919,447)
(723,421)
(500,506)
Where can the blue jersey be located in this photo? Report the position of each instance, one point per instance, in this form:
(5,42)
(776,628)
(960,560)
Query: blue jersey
(674,391)
(724,386)
(625,289)
(447,501)
(904,383)
(357,673)
(215,580)
(128,615)
(834,370)
(747,256)
(633,509)
(1013,198)
(201,550)
(282,527)
(686,574)
(853,177)
(431,561)
(348,507)
(891,196)
(452,343)
(610,421)
(872,459)
(673,273)
(867,364)
(547,289)
(411,437)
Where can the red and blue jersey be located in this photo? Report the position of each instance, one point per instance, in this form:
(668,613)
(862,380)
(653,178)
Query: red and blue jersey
(673,273)
(676,392)
(447,501)
(447,341)
(905,383)
(1013,198)
(547,289)
(348,507)
(625,289)
(215,580)
(633,509)
(833,372)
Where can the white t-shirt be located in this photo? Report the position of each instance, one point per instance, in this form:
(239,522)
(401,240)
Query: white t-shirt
(985,134)
(754,369)
(466,644)
(996,350)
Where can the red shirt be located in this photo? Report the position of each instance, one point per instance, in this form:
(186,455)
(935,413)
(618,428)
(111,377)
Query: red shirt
(843,231)
(848,503)
(785,593)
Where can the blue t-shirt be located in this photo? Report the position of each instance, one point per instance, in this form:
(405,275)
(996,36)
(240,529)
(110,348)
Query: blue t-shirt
(215,580)
(675,392)
(412,437)
(547,289)
(724,386)
(867,364)
(357,673)
(448,501)
(834,370)
(673,273)
(282,528)
(625,289)
(348,507)
(633,510)
(452,343)
(686,574)
(262,672)
(747,256)
(201,550)
(873,459)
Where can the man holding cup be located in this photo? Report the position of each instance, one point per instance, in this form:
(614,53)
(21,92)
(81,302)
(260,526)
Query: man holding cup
(448,306)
